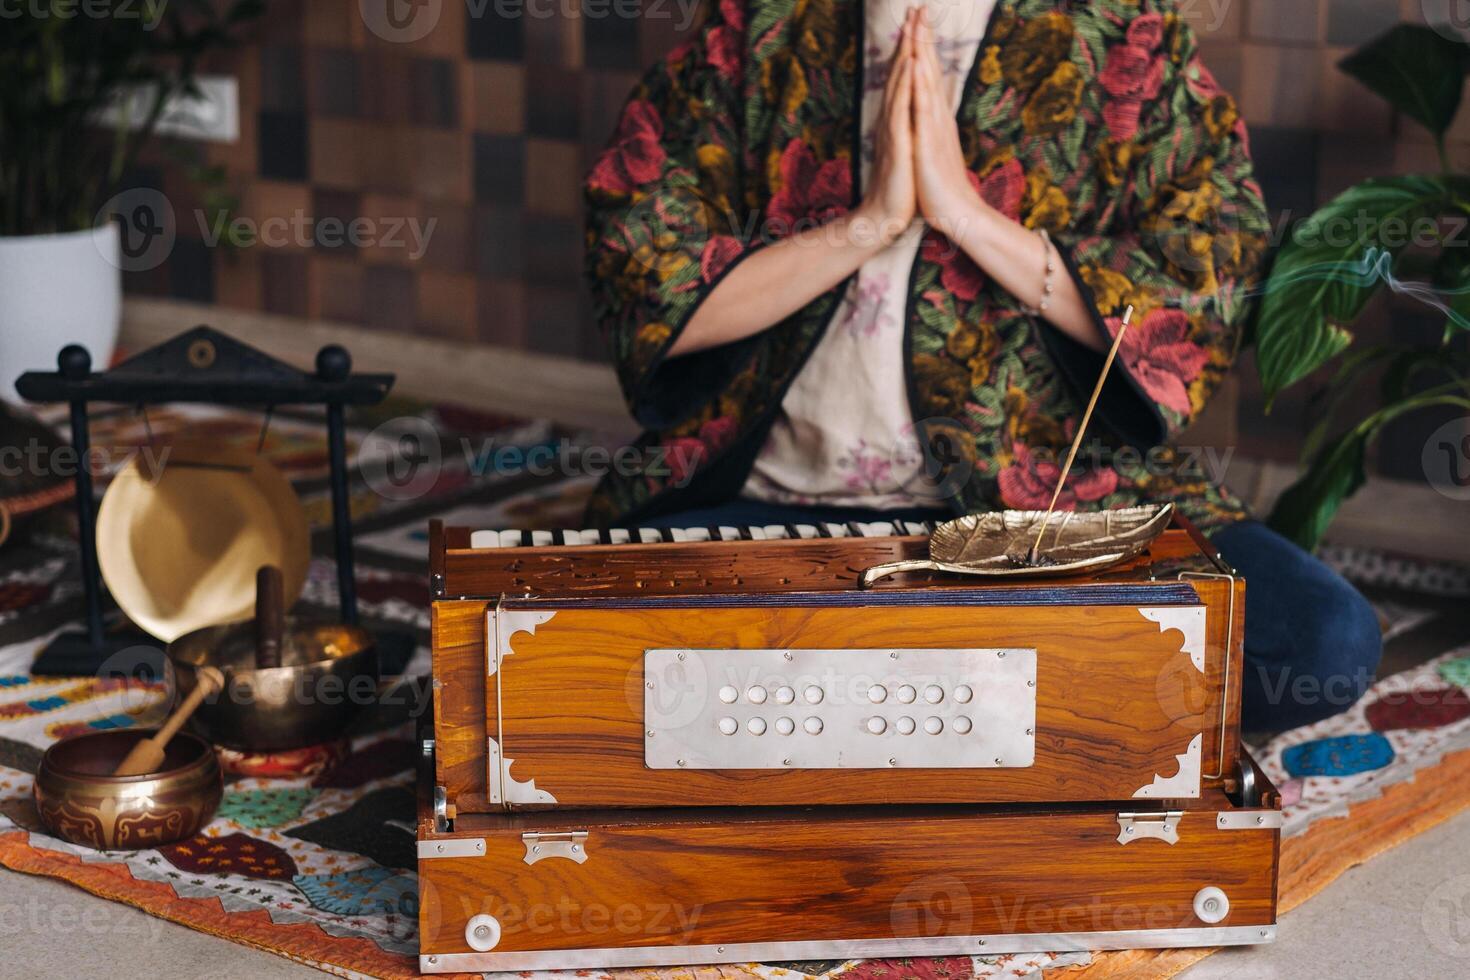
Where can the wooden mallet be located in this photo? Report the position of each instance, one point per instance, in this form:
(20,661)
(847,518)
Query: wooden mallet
(147,755)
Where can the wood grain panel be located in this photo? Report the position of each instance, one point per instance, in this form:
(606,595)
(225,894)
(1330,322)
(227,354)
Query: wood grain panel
(1117,701)
(707,568)
(899,873)
(581,696)
(458,634)
(1225,665)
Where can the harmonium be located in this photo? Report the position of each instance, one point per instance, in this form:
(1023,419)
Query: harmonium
(722,745)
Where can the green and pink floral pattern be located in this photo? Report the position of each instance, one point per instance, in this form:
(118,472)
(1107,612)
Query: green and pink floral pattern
(1093,120)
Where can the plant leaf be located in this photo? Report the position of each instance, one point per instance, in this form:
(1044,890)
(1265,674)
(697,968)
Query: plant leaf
(1343,386)
(1417,69)
(1453,279)
(1305,511)
(1330,267)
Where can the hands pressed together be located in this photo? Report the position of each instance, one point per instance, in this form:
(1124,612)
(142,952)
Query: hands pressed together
(919,168)
(918,171)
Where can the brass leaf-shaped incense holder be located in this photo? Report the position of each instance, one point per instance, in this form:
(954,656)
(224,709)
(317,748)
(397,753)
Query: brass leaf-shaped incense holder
(999,544)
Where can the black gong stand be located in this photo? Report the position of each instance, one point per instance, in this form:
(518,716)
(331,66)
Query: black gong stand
(202,366)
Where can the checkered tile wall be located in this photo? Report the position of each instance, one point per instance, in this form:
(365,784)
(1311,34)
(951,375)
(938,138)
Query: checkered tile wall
(482,115)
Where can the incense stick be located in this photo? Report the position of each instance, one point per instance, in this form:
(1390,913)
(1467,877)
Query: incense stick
(1081,432)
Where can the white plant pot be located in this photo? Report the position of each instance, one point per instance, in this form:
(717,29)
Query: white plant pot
(57,290)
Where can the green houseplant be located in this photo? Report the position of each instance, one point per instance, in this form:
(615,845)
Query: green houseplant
(63,63)
(1369,239)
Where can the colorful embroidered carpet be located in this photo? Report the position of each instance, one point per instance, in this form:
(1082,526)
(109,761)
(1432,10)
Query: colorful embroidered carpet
(321,869)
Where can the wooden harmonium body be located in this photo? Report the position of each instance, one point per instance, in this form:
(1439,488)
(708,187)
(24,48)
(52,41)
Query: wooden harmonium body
(674,753)
(758,673)
(599,889)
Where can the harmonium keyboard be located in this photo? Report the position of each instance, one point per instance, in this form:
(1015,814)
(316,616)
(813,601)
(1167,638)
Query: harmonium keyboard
(710,745)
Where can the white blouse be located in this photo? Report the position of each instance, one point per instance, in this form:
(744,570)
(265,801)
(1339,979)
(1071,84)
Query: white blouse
(828,447)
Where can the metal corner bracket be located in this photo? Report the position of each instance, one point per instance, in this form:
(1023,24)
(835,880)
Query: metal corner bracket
(505,789)
(1184,784)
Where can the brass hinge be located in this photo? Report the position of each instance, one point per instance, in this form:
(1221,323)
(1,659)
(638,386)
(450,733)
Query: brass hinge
(1157,825)
(571,845)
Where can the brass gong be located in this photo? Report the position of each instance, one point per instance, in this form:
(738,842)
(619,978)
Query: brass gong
(179,549)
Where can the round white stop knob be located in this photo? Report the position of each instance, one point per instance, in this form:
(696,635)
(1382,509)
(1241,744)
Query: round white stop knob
(1211,905)
(482,933)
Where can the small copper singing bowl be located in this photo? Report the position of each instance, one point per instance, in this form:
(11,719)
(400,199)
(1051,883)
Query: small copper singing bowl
(79,799)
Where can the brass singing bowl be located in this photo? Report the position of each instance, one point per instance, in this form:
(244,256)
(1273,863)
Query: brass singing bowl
(328,673)
(79,799)
(179,548)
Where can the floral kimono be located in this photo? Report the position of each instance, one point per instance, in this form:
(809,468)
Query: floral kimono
(1095,121)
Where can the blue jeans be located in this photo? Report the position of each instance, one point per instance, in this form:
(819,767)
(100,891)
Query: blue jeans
(1312,643)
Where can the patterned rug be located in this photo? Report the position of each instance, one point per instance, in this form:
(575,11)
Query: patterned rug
(321,869)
